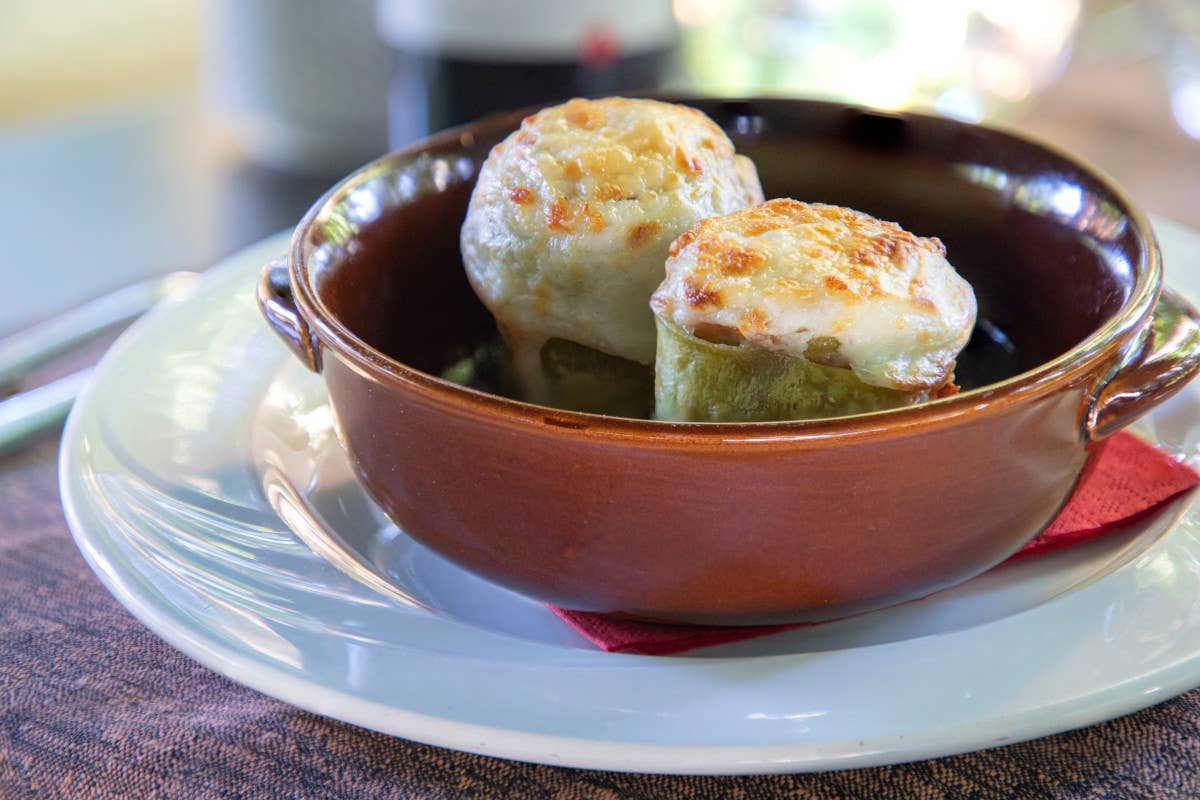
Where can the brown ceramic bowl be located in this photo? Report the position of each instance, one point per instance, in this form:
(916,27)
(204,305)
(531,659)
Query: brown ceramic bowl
(761,522)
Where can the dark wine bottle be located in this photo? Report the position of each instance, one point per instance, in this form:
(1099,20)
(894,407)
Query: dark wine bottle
(458,60)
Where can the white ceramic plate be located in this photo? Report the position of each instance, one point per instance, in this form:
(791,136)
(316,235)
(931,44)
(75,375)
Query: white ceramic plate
(198,426)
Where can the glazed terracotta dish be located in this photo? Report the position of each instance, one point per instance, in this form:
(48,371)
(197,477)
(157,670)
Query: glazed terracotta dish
(755,522)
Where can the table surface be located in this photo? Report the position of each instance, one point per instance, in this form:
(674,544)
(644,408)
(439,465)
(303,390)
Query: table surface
(92,704)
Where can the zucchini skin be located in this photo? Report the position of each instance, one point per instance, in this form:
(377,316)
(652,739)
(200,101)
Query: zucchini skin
(701,381)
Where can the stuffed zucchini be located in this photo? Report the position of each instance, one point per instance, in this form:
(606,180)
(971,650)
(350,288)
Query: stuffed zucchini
(791,310)
(567,231)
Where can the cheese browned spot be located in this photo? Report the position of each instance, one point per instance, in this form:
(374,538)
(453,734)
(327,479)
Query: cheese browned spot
(729,260)
(685,238)
(834,284)
(739,260)
(753,319)
(520,195)
(686,162)
(699,295)
(584,116)
(609,191)
(595,219)
(826,283)
(642,233)
(556,217)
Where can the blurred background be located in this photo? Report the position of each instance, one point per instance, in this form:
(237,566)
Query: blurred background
(141,136)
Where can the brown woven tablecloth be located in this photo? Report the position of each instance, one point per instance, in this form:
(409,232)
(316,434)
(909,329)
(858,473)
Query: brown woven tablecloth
(93,705)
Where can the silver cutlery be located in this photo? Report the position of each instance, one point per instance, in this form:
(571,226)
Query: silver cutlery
(26,413)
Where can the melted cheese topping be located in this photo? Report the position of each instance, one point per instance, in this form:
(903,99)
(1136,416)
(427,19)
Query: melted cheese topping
(572,215)
(826,283)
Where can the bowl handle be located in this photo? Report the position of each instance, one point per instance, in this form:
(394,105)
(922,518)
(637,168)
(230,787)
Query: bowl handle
(277,304)
(1169,356)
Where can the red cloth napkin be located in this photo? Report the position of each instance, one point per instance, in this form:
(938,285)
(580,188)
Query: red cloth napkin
(1125,480)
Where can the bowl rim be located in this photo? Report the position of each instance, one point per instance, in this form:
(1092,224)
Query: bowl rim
(1099,348)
